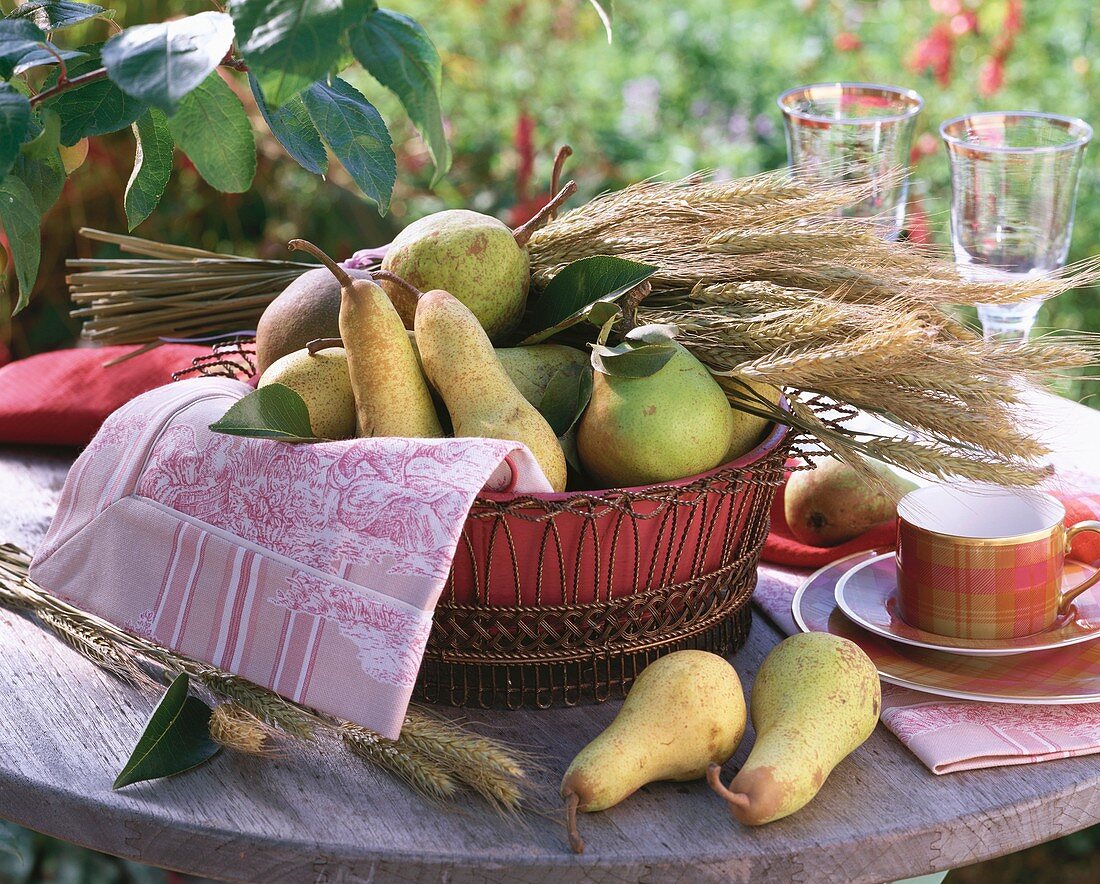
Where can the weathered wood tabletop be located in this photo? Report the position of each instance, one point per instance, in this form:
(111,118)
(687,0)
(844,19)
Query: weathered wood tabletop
(323,815)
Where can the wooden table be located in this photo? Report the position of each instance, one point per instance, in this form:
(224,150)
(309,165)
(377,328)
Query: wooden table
(66,728)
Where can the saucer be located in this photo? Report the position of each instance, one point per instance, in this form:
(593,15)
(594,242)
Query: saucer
(1059,676)
(867,593)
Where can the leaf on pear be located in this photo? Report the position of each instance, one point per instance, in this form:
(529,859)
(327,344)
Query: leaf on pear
(630,360)
(579,284)
(15,122)
(227,161)
(654,333)
(598,313)
(56,15)
(177,738)
(152,166)
(20,217)
(291,125)
(566,397)
(271,412)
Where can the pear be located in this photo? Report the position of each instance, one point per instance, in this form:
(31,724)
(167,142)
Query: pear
(321,378)
(749,430)
(532,368)
(816,699)
(391,394)
(459,361)
(834,502)
(671,424)
(477,258)
(685,712)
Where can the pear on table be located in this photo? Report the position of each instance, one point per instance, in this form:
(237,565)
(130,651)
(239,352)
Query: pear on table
(816,699)
(685,712)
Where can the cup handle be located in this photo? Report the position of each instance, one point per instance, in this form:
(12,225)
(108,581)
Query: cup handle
(1070,594)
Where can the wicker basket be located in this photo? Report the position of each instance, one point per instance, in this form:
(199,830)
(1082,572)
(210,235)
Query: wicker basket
(554,599)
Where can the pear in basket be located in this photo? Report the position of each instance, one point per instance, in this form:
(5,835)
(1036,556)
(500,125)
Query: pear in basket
(685,712)
(459,360)
(321,378)
(391,395)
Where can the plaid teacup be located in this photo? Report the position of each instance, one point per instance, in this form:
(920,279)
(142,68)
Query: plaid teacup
(982,562)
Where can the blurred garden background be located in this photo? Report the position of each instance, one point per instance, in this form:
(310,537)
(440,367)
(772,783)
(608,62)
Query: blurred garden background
(685,85)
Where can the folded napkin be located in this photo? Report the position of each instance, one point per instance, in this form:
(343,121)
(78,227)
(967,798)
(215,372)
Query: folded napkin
(310,569)
(952,735)
(62,397)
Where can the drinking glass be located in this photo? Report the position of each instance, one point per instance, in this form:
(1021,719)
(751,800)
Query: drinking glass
(1013,192)
(855,132)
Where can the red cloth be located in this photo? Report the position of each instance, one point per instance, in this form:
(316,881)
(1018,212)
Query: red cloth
(781,548)
(61,398)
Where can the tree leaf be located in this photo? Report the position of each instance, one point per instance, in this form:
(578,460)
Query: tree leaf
(152,166)
(604,11)
(271,412)
(20,216)
(290,44)
(566,397)
(15,123)
(354,130)
(177,738)
(597,313)
(291,125)
(597,278)
(161,63)
(22,47)
(398,53)
(44,175)
(212,128)
(55,15)
(630,360)
(95,108)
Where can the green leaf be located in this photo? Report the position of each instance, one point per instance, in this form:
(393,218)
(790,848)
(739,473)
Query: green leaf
(20,216)
(631,359)
(160,64)
(566,397)
(212,128)
(15,123)
(290,44)
(152,166)
(654,333)
(291,125)
(271,412)
(354,130)
(604,10)
(43,173)
(22,46)
(93,109)
(598,278)
(177,738)
(598,313)
(397,52)
(55,15)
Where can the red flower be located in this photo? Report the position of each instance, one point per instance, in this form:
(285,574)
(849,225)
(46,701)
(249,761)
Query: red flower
(1014,17)
(927,144)
(946,7)
(524,142)
(916,222)
(846,41)
(964,23)
(934,54)
(992,76)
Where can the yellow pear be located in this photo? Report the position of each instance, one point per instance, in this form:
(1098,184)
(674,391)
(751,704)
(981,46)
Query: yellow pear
(816,699)
(531,368)
(459,360)
(321,378)
(391,394)
(685,712)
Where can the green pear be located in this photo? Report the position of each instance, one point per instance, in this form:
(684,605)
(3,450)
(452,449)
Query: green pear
(669,425)
(835,502)
(816,699)
(749,430)
(323,382)
(391,394)
(685,712)
(459,360)
(531,368)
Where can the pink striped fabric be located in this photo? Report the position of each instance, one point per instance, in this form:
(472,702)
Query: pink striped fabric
(310,569)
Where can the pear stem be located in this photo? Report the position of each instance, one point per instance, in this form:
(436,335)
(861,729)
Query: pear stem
(564,153)
(524,233)
(339,272)
(397,280)
(714,777)
(576,842)
(318,344)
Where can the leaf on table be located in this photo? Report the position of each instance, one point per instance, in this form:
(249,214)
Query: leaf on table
(21,47)
(398,53)
(580,284)
(20,217)
(227,161)
(15,122)
(291,125)
(290,44)
(566,397)
(177,738)
(56,15)
(161,63)
(152,166)
(95,108)
(271,412)
(354,130)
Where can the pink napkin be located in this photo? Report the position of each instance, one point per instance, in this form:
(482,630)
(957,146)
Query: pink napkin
(952,735)
(310,569)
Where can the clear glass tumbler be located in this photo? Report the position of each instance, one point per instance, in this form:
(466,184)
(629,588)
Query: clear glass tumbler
(1013,193)
(855,132)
